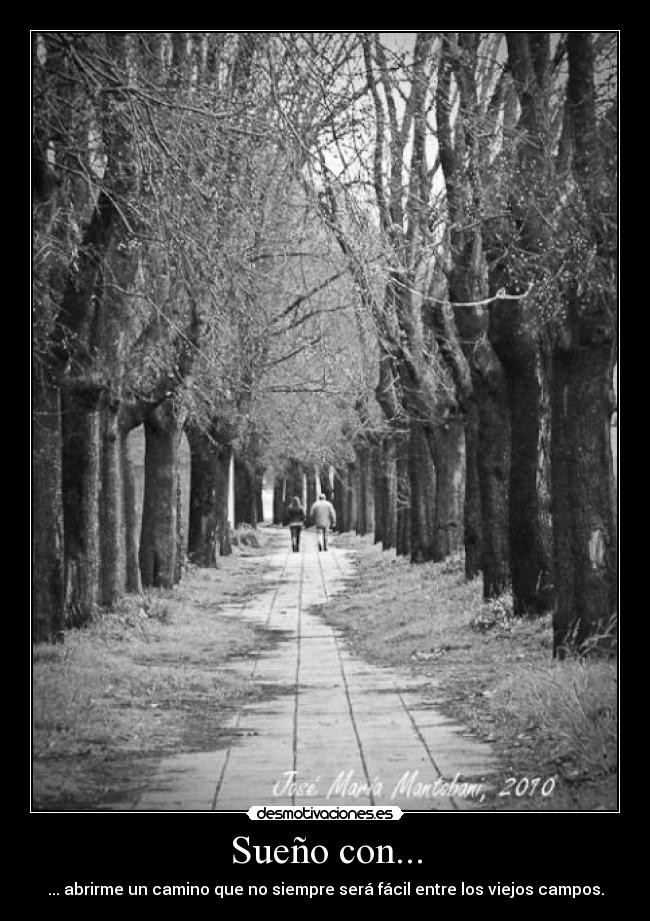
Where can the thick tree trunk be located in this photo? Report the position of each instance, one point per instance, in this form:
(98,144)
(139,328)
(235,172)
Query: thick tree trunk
(132,522)
(584,521)
(111,508)
(473,527)
(422,479)
(493,457)
(81,483)
(208,531)
(246,504)
(365,512)
(159,535)
(47,515)
(447,447)
(530,526)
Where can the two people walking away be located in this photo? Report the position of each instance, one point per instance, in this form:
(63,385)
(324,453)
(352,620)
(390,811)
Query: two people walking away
(295,518)
(324,517)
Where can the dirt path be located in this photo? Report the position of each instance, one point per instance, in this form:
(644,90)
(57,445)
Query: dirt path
(339,731)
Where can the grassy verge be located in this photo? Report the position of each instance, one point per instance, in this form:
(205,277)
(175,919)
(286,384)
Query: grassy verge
(154,676)
(490,671)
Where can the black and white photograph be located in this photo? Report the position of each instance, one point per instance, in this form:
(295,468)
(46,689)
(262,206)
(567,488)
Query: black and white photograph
(324,447)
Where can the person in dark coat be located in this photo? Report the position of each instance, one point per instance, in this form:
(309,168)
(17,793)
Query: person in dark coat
(295,518)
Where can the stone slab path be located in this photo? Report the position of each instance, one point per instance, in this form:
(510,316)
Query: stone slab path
(338,732)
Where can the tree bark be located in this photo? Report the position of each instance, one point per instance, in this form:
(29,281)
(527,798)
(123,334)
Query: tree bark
(365,511)
(246,484)
(158,541)
(584,518)
(208,531)
(131,521)
(47,515)
(295,482)
(403,512)
(583,499)
(473,525)
(352,497)
(422,480)
(340,499)
(379,482)
(259,494)
(179,562)
(325,481)
(311,486)
(81,483)
(530,526)
(111,508)
(279,498)
(389,493)
(493,456)
(447,447)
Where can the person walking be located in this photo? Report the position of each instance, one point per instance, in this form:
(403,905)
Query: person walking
(323,516)
(295,518)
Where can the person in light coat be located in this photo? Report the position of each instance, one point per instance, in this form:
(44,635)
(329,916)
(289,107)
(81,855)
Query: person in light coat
(323,517)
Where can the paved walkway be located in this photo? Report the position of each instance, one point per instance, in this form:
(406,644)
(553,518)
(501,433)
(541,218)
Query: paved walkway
(339,731)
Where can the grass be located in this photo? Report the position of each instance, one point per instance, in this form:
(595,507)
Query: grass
(491,671)
(152,677)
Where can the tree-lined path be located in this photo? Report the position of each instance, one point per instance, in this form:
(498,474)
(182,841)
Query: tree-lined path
(355,733)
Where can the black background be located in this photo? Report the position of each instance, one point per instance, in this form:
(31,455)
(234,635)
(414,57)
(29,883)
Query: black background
(196,848)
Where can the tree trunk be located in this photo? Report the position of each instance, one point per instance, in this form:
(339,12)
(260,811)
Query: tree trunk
(295,483)
(340,499)
(584,521)
(472,510)
(447,446)
(132,522)
(530,526)
(379,482)
(279,498)
(179,562)
(245,493)
(259,494)
(493,457)
(81,482)
(352,497)
(403,512)
(311,486)
(111,508)
(47,515)
(159,536)
(202,529)
(389,493)
(366,511)
(208,531)
(325,481)
(422,479)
